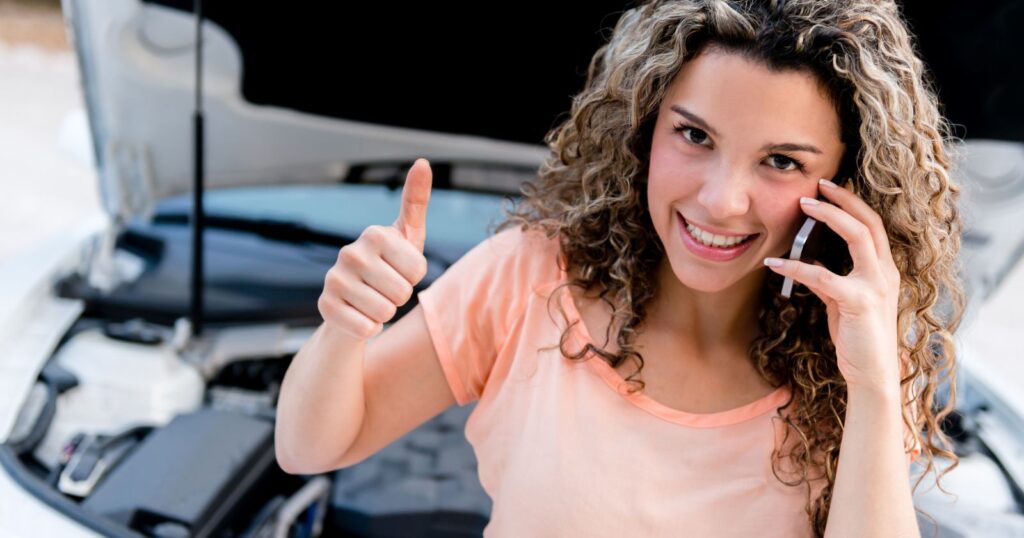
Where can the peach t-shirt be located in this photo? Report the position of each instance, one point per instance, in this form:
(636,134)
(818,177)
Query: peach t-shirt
(562,449)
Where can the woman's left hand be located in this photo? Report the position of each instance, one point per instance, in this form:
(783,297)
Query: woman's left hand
(861,306)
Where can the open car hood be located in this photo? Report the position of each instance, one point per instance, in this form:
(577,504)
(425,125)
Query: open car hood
(306,91)
(314,90)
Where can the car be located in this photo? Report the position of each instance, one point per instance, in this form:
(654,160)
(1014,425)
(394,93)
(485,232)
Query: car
(138,388)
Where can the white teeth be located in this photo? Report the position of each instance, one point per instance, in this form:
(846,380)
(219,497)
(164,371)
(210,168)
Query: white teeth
(713,240)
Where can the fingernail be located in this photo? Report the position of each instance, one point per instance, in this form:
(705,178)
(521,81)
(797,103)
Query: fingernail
(773,262)
(826,183)
(808,201)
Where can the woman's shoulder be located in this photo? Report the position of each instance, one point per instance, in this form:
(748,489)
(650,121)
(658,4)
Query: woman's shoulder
(530,250)
(525,241)
(511,262)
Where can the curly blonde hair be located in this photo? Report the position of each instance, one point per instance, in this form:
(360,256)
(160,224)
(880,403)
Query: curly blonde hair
(591,193)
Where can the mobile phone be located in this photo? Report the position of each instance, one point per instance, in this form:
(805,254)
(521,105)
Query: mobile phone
(808,244)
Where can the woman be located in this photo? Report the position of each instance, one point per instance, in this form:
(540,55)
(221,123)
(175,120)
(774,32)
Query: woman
(679,177)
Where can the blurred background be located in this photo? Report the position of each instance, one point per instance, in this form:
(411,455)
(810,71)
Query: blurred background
(45,186)
(48,181)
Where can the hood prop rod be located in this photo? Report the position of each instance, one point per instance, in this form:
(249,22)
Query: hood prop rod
(196,302)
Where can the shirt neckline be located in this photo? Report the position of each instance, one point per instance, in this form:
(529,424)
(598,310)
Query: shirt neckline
(617,383)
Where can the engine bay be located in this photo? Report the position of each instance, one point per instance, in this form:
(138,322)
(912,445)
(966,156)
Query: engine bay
(169,437)
(136,426)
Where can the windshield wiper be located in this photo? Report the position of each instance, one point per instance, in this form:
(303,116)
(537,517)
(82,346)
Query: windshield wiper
(292,232)
(273,229)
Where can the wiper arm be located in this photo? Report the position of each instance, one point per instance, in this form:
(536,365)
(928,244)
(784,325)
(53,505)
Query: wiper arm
(276,230)
(284,231)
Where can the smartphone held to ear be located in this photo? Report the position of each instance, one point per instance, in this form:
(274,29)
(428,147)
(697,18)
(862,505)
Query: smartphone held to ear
(807,246)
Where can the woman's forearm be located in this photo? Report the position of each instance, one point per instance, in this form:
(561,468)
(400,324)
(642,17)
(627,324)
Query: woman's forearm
(321,406)
(871,495)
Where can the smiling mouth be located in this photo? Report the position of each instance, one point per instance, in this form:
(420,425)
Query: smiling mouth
(687,227)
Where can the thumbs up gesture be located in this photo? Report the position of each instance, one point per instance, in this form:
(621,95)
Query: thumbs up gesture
(412,220)
(375,274)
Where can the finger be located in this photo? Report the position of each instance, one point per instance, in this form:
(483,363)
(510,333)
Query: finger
(406,259)
(412,218)
(825,298)
(848,200)
(388,282)
(341,314)
(856,234)
(368,301)
(824,283)
(371,303)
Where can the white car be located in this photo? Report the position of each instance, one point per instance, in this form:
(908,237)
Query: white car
(124,414)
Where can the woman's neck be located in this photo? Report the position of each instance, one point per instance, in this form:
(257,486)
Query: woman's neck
(708,321)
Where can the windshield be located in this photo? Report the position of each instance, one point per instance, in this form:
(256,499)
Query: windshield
(268,249)
(456,220)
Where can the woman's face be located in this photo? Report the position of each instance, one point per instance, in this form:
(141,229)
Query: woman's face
(734,147)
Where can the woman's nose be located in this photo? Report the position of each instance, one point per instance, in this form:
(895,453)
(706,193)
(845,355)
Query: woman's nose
(724,194)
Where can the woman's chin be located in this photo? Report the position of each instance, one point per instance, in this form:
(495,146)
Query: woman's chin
(697,276)
(706,279)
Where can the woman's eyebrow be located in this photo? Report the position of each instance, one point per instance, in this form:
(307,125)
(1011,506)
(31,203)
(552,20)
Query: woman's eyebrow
(679,109)
(699,122)
(791,147)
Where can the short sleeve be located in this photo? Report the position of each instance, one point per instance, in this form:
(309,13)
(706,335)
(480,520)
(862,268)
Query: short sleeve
(471,306)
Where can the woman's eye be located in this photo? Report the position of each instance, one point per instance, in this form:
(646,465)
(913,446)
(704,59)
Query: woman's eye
(782,162)
(693,134)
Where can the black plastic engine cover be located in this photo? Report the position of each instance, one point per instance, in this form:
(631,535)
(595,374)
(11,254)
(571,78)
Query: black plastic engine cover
(191,473)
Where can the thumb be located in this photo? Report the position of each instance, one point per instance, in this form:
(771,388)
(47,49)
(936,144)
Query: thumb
(412,218)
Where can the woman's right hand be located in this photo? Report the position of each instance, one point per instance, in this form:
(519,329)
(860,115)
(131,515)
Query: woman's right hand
(375,274)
